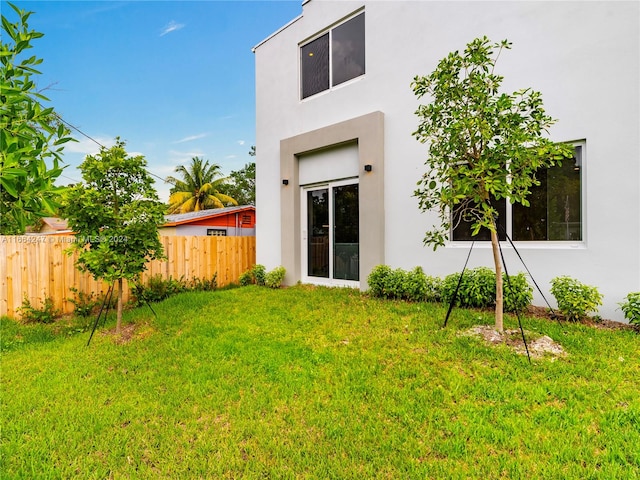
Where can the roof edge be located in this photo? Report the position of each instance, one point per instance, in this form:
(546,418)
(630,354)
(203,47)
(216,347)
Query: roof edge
(278,31)
(215,212)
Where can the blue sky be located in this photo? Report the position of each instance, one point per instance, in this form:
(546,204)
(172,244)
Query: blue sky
(174,79)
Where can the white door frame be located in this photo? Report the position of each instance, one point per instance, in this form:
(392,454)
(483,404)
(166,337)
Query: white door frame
(304,247)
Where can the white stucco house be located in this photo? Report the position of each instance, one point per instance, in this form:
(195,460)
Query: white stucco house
(337,164)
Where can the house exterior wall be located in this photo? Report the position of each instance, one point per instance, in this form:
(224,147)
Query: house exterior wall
(245,219)
(201,230)
(584,58)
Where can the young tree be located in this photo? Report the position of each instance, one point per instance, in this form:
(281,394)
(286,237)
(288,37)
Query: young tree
(483,145)
(115,213)
(31,136)
(199,188)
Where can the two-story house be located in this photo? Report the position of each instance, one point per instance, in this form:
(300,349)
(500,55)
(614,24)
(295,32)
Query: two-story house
(337,164)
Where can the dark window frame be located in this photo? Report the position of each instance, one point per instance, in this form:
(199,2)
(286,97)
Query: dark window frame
(321,58)
(518,229)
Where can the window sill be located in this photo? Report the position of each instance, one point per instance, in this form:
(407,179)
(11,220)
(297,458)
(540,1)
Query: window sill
(551,245)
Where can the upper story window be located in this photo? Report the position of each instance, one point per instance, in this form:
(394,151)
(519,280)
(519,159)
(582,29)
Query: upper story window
(334,57)
(555,212)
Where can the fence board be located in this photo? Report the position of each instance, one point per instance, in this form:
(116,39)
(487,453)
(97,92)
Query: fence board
(39,268)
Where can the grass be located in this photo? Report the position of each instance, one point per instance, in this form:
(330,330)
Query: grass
(315,383)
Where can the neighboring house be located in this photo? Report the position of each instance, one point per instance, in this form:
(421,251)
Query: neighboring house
(337,164)
(225,222)
(50,226)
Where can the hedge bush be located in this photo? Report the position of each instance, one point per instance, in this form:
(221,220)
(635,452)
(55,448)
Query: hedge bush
(258,275)
(274,278)
(478,287)
(575,300)
(631,308)
(413,286)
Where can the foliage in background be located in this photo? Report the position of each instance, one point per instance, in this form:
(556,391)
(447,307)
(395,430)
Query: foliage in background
(115,213)
(198,189)
(86,304)
(483,145)
(158,289)
(47,313)
(631,308)
(31,136)
(575,300)
(241,183)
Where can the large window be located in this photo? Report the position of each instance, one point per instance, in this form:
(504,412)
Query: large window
(555,211)
(333,58)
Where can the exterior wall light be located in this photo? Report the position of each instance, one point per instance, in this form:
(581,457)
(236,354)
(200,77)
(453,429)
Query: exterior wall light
(285,181)
(368,168)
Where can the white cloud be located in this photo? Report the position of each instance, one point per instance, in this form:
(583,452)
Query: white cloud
(241,142)
(88,147)
(191,138)
(230,157)
(183,158)
(171,27)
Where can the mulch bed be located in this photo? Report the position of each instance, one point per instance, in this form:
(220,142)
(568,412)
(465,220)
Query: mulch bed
(544,312)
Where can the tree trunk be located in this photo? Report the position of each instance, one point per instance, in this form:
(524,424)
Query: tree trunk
(119,310)
(498,265)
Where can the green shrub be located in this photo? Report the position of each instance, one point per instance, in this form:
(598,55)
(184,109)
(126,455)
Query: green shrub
(434,289)
(246,278)
(478,290)
(394,284)
(45,314)
(158,289)
(377,280)
(575,300)
(259,274)
(631,308)
(518,294)
(202,284)
(255,275)
(85,304)
(274,278)
(414,285)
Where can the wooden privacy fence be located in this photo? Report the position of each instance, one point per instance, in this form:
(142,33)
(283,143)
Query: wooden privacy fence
(37,267)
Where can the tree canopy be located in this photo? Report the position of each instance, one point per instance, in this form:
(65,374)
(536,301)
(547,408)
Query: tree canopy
(115,214)
(198,189)
(242,185)
(483,144)
(32,136)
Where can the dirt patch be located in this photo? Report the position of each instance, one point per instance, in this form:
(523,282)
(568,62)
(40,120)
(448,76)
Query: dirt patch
(128,332)
(539,346)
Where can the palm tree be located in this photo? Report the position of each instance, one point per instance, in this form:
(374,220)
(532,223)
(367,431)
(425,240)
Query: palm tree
(198,189)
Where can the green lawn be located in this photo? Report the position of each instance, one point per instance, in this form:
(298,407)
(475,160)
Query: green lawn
(315,383)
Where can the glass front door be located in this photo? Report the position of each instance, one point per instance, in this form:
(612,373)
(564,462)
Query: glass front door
(331,241)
